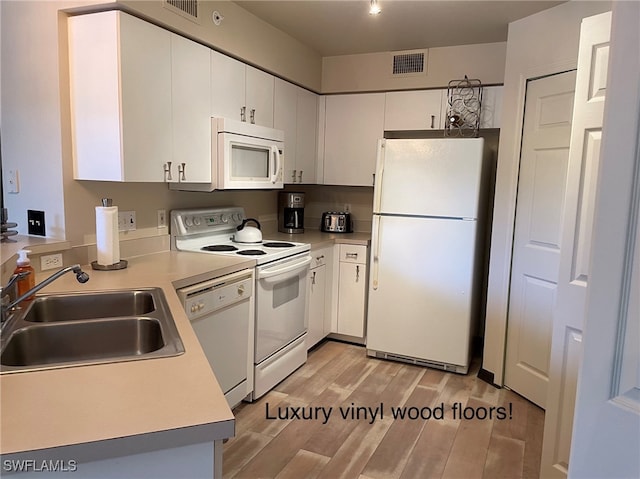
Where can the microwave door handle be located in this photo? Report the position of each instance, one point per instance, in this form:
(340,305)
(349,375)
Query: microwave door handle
(276,163)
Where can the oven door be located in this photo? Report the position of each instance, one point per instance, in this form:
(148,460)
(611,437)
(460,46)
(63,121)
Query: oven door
(249,162)
(281,312)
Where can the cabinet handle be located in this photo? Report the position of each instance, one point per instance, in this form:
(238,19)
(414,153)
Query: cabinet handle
(373,182)
(357,273)
(313,278)
(352,255)
(243,113)
(300,177)
(181,171)
(433,121)
(293,176)
(167,171)
(252,115)
(318,258)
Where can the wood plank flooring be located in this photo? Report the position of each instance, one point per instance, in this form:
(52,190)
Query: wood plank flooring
(500,437)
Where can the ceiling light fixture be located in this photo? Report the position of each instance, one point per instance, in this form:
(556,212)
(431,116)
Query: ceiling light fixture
(374,9)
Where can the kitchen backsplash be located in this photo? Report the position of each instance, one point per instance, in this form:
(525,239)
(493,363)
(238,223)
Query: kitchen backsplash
(320,198)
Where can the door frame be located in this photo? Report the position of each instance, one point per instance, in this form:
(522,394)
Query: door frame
(540,45)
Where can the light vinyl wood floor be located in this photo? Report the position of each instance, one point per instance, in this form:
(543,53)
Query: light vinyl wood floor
(341,375)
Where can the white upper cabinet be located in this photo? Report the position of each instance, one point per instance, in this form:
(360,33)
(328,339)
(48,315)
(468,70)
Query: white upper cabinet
(136,107)
(191,117)
(120,75)
(284,118)
(240,92)
(296,113)
(491,110)
(353,124)
(307,135)
(413,110)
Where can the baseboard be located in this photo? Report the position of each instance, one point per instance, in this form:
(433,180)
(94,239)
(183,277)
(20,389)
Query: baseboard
(487,377)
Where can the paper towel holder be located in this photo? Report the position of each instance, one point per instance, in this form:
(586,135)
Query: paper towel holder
(122,264)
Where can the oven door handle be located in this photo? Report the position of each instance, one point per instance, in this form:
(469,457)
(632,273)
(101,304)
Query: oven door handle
(296,268)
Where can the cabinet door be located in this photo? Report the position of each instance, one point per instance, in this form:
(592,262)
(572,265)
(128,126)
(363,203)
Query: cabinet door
(491,107)
(351,298)
(227,86)
(307,134)
(191,99)
(259,96)
(145,59)
(317,286)
(284,118)
(413,110)
(121,99)
(354,123)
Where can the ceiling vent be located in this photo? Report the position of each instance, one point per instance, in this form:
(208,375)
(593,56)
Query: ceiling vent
(185,8)
(409,63)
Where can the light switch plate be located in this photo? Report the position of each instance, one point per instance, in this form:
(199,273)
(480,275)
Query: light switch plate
(35,223)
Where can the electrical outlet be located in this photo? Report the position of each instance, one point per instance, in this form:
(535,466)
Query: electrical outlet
(162,218)
(126,221)
(51,261)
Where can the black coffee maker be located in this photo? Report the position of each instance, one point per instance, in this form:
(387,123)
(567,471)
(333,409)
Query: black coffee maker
(290,212)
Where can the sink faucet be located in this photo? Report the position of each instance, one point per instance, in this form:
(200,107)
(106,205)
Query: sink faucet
(81,276)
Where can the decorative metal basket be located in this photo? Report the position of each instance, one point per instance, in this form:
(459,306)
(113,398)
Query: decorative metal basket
(464,105)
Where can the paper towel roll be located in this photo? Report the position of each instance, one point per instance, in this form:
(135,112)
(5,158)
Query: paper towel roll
(107,240)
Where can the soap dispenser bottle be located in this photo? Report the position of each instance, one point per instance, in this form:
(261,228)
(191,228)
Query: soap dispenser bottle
(24,264)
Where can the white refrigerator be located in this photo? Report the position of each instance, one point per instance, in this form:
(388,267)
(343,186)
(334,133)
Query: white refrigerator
(427,251)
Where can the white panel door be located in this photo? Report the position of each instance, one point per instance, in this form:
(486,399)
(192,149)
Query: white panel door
(420,288)
(434,177)
(574,275)
(536,245)
(606,435)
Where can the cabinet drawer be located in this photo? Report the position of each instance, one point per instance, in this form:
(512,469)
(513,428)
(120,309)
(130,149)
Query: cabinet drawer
(350,253)
(318,258)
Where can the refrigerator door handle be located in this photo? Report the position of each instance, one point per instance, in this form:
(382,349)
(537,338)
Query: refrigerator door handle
(375,251)
(377,177)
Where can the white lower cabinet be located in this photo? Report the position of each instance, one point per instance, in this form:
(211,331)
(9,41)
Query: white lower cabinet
(352,290)
(319,295)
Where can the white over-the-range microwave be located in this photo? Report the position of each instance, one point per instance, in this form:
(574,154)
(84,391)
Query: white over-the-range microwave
(243,156)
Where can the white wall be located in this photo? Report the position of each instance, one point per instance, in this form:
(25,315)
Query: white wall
(372,71)
(35,114)
(542,44)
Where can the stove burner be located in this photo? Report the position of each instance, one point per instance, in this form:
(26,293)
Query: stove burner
(278,244)
(219,247)
(251,252)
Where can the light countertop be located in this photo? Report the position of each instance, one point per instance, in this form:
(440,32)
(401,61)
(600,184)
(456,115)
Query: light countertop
(78,405)
(88,404)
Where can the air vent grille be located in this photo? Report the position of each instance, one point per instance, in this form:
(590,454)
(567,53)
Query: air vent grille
(186,8)
(405,63)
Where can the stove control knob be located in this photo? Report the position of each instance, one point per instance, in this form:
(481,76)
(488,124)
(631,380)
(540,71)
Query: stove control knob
(196,220)
(188,222)
(224,218)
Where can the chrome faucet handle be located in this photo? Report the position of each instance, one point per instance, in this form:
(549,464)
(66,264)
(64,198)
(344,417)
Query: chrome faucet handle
(12,281)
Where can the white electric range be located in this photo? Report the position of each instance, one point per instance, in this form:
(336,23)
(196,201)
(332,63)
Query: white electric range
(281,281)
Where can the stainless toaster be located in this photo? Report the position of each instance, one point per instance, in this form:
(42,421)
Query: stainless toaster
(336,222)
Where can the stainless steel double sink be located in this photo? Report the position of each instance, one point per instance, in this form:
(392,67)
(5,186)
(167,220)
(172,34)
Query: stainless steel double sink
(62,330)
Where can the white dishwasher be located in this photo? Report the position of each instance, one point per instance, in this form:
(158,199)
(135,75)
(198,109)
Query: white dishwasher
(221,312)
